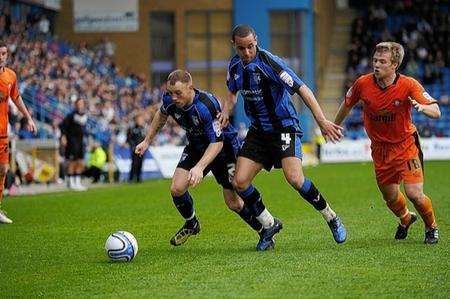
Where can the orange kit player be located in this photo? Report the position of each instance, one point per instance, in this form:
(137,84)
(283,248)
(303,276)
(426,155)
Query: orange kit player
(8,90)
(387,98)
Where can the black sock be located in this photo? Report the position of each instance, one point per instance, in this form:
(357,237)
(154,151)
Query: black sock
(251,220)
(185,206)
(253,200)
(309,192)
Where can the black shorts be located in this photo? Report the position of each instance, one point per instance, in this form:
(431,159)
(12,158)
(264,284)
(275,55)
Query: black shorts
(270,148)
(74,151)
(222,166)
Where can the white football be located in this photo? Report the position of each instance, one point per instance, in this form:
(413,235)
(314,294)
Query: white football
(121,246)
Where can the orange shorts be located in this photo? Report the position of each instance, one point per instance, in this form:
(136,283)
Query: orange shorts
(398,162)
(4,151)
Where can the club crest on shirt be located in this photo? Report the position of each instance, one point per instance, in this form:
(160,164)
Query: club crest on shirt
(397,103)
(257,77)
(236,76)
(195,120)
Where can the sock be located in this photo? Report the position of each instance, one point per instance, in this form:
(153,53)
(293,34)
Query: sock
(2,186)
(266,219)
(248,217)
(72,180)
(309,192)
(185,207)
(253,200)
(78,180)
(425,209)
(399,208)
(327,213)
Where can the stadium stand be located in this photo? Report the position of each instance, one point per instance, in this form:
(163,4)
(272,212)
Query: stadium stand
(53,73)
(423,28)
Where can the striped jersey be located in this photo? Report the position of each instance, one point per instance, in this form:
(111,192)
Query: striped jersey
(266,84)
(199,120)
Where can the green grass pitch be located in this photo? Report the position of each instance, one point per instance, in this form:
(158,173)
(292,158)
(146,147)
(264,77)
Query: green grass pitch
(55,246)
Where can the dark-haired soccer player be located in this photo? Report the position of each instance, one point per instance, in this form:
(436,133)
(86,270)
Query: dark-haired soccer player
(388,98)
(8,90)
(265,83)
(210,148)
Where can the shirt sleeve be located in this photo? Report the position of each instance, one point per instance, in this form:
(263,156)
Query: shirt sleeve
(213,129)
(418,93)
(14,91)
(231,82)
(278,70)
(353,94)
(165,104)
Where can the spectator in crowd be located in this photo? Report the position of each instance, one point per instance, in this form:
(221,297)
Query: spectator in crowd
(135,135)
(96,162)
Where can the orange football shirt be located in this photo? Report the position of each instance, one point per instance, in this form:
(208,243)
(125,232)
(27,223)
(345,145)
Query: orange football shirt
(387,111)
(8,88)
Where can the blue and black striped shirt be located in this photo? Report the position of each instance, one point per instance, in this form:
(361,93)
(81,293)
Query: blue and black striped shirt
(266,84)
(199,120)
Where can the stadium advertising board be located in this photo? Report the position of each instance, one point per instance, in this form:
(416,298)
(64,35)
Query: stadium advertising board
(167,158)
(359,150)
(105,16)
(122,159)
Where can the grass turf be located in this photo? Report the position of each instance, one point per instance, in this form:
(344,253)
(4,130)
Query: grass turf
(55,246)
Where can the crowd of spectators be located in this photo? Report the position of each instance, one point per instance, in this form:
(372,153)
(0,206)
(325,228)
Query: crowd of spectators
(423,28)
(54,73)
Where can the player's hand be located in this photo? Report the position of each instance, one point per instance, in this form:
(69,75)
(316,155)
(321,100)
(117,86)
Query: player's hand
(141,148)
(195,176)
(224,118)
(31,126)
(331,131)
(417,106)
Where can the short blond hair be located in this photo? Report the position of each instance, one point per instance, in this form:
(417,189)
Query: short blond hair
(396,50)
(179,76)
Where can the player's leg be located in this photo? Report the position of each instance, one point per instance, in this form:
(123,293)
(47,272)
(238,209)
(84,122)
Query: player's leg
(3,170)
(185,206)
(396,202)
(246,170)
(236,204)
(71,173)
(293,172)
(423,205)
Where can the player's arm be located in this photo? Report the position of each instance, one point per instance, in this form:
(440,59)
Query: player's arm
(430,110)
(330,131)
(211,152)
(422,101)
(228,106)
(159,120)
(342,113)
(30,125)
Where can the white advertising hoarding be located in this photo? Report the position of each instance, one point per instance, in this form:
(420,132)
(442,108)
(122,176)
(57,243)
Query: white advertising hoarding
(105,16)
(359,150)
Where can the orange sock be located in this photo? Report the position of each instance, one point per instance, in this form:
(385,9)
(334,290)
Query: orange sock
(399,208)
(425,210)
(2,185)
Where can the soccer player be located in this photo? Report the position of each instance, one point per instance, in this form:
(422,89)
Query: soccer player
(265,82)
(387,99)
(72,138)
(210,148)
(8,90)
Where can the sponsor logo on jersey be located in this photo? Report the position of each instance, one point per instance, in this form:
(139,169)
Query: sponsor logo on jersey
(287,78)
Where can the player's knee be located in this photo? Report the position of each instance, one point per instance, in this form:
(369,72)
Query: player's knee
(3,170)
(234,204)
(240,184)
(176,190)
(296,180)
(415,195)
